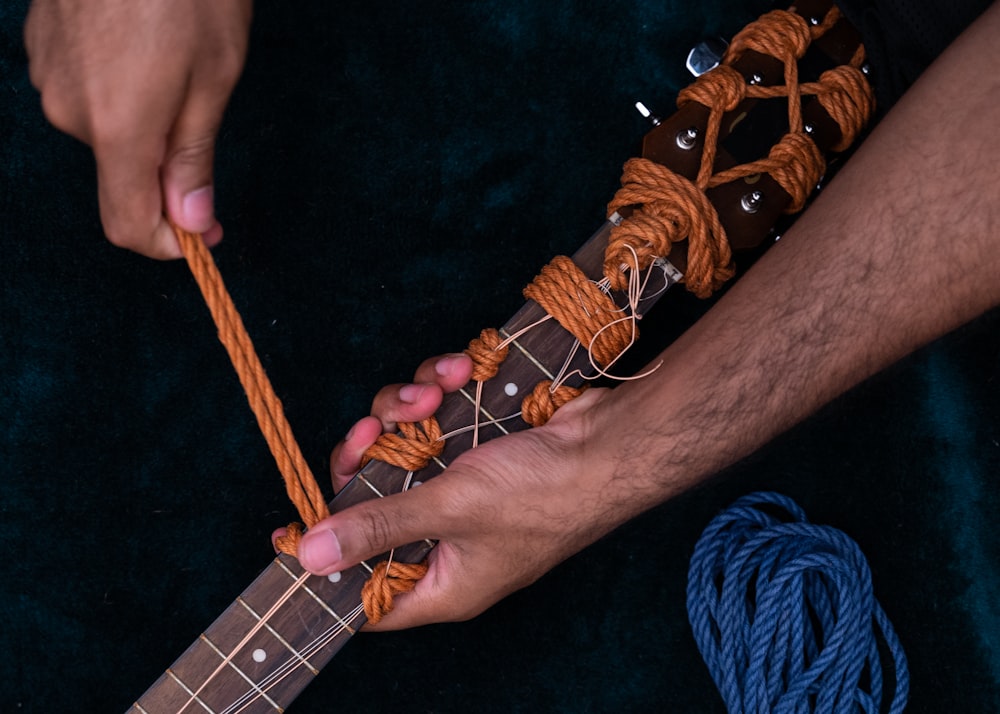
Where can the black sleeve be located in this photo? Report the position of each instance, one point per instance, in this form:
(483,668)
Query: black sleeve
(902,37)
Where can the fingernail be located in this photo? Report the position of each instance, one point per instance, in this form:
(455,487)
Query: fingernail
(445,366)
(350,433)
(198,209)
(411,393)
(319,550)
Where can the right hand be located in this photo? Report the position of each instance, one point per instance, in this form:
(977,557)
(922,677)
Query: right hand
(144,83)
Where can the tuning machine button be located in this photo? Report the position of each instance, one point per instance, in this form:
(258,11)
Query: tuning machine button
(646,114)
(706,55)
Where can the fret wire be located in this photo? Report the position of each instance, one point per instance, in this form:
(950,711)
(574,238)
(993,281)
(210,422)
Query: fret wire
(277,636)
(139,707)
(253,631)
(261,694)
(492,420)
(506,335)
(317,598)
(370,485)
(193,697)
(289,665)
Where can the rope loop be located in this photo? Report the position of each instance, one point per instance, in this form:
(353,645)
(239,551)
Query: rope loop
(412,449)
(289,542)
(388,580)
(486,354)
(539,406)
(785,617)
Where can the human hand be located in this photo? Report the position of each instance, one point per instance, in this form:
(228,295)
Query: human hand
(145,85)
(503,514)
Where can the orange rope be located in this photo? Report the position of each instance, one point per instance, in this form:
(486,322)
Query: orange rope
(671,208)
(667,208)
(486,354)
(299,480)
(386,581)
(582,308)
(539,406)
(412,449)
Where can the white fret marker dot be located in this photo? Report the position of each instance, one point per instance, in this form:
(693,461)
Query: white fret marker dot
(259,655)
(416,483)
(333,577)
(510,389)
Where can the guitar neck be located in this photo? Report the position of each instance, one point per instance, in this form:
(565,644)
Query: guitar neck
(287,625)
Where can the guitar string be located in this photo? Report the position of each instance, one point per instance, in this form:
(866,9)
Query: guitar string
(293,663)
(253,631)
(478,422)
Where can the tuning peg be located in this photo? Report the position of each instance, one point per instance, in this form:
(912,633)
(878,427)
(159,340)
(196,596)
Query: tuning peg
(646,114)
(706,55)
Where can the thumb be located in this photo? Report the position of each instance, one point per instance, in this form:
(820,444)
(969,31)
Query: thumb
(369,529)
(188,190)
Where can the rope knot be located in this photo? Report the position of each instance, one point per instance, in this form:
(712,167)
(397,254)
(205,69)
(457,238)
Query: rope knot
(387,581)
(539,406)
(412,448)
(797,164)
(485,355)
(846,95)
(780,34)
(673,208)
(721,89)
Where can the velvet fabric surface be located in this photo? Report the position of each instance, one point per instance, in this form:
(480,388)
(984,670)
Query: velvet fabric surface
(389,177)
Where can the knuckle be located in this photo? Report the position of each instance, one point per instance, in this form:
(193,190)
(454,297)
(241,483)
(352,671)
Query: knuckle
(377,531)
(57,110)
(119,236)
(196,149)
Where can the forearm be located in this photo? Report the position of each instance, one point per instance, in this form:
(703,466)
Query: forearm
(902,247)
(899,249)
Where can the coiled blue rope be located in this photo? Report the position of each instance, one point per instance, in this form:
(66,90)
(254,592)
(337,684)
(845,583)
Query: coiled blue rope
(784,615)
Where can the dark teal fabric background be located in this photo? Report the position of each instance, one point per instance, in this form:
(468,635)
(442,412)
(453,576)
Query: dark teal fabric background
(389,176)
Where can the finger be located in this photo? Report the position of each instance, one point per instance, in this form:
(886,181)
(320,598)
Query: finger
(372,528)
(450,372)
(130,199)
(188,190)
(405,402)
(275,535)
(345,459)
